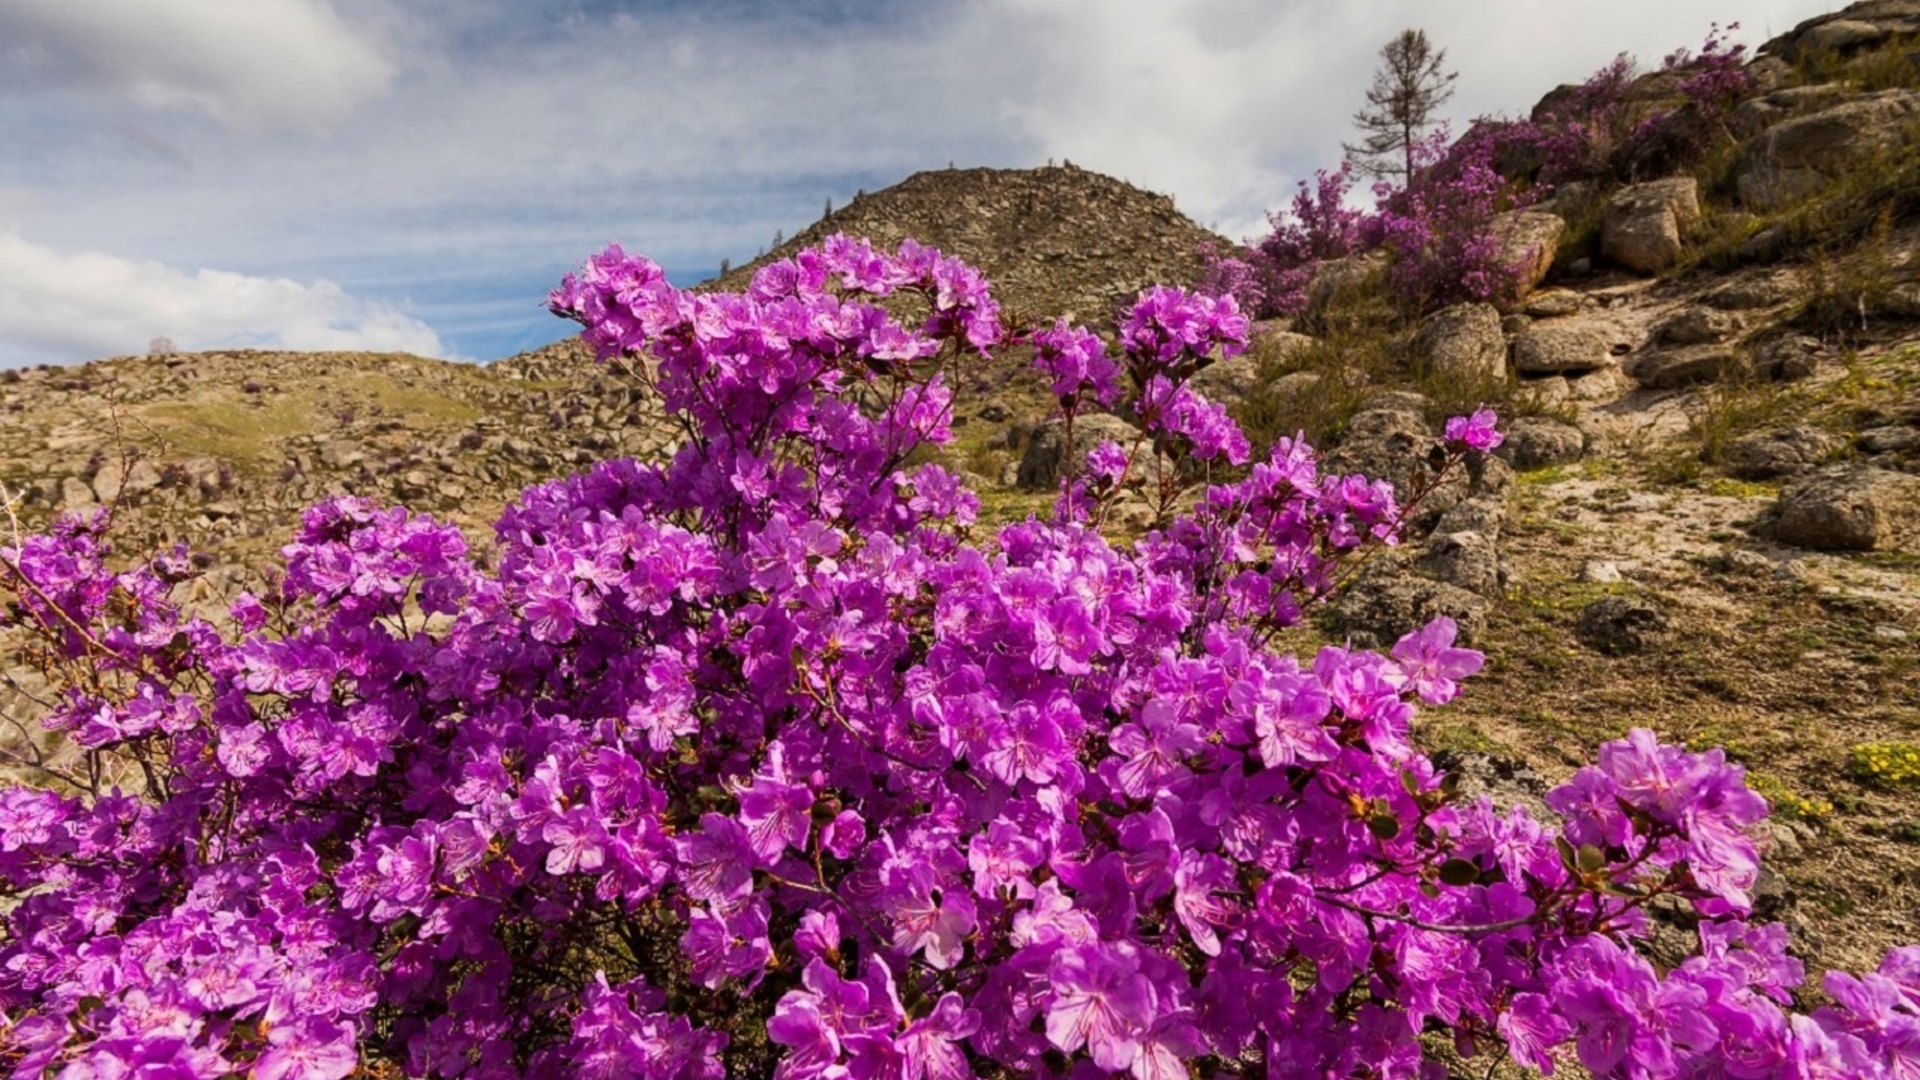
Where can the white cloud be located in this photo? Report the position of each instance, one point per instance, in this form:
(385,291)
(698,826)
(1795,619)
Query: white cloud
(1224,103)
(521,138)
(58,306)
(250,64)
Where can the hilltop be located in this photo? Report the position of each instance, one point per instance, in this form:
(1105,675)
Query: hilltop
(1056,240)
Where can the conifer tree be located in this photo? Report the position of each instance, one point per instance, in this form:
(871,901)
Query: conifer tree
(1411,82)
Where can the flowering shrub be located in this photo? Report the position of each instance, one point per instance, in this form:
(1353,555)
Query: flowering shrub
(1597,131)
(1439,231)
(764,760)
(1270,278)
(1436,232)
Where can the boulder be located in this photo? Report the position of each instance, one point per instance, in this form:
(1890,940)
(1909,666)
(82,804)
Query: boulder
(1769,290)
(1645,226)
(1535,442)
(1699,326)
(75,494)
(1687,365)
(1847,507)
(1554,303)
(1294,384)
(1045,456)
(1231,382)
(1335,277)
(1545,391)
(1619,625)
(1759,113)
(1463,342)
(1388,602)
(1800,156)
(1859,25)
(1888,439)
(1276,344)
(1559,350)
(1788,358)
(1467,559)
(1767,455)
(117,481)
(1605,384)
(1843,35)
(1529,240)
(1483,514)
(1227,381)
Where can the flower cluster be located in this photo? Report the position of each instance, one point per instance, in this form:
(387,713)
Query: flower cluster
(1271,278)
(1438,230)
(767,760)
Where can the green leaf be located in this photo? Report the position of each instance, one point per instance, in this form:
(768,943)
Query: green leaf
(1589,859)
(1383,826)
(1459,872)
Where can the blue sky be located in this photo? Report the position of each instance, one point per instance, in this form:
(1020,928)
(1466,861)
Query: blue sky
(415,174)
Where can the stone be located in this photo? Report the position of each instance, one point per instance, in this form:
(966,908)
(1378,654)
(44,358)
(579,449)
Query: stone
(1646,225)
(1619,625)
(1294,384)
(1749,293)
(1277,344)
(1606,384)
(1699,326)
(1393,444)
(1484,514)
(1228,382)
(1888,439)
(1554,303)
(341,454)
(1846,507)
(1601,572)
(1388,602)
(1545,392)
(1800,156)
(1559,350)
(75,494)
(1529,240)
(1788,358)
(1463,342)
(1336,277)
(108,482)
(1467,559)
(1842,35)
(1411,402)
(1688,365)
(1768,455)
(1759,113)
(1534,442)
(1044,458)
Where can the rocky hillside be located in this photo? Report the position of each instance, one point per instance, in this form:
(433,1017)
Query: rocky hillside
(1706,518)
(1054,240)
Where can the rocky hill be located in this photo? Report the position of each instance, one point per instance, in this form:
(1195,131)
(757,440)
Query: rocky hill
(1706,518)
(1055,240)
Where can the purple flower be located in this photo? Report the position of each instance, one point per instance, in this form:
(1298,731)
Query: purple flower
(1475,432)
(1431,665)
(310,1049)
(717,862)
(777,816)
(1099,999)
(927,1045)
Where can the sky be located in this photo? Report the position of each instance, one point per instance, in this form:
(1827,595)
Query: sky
(415,175)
